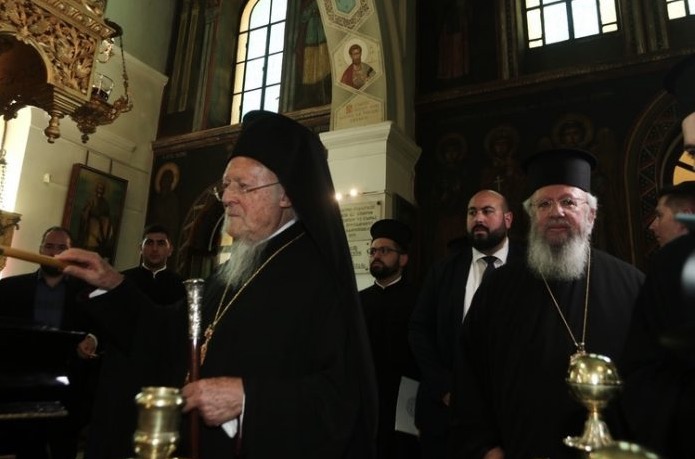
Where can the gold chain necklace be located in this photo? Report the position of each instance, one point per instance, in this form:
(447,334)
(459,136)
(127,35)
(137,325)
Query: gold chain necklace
(581,346)
(210,330)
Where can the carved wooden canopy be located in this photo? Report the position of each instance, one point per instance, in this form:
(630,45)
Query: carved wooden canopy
(48,52)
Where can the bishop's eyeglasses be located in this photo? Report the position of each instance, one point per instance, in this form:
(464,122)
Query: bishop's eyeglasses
(238,188)
(567,204)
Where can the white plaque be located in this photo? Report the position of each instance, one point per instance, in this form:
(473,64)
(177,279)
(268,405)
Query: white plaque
(358,217)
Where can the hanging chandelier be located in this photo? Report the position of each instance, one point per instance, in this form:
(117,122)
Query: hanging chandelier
(97,111)
(49,50)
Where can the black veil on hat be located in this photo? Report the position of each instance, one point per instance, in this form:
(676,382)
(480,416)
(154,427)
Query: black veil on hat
(680,81)
(299,159)
(397,231)
(560,166)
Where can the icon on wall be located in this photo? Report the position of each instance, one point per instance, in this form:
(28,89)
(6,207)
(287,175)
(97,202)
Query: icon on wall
(94,209)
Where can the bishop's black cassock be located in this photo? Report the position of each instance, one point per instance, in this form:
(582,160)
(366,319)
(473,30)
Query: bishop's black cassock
(510,381)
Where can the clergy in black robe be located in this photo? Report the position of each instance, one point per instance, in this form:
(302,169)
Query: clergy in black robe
(163,286)
(387,306)
(287,352)
(154,277)
(530,316)
(513,391)
(115,415)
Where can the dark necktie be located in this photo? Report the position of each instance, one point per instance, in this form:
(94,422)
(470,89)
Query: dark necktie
(490,260)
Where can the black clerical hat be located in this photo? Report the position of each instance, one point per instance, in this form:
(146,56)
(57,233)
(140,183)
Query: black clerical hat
(680,81)
(561,166)
(277,142)
(398,232)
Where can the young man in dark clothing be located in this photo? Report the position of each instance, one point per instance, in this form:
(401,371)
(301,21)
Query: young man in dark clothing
(387,307)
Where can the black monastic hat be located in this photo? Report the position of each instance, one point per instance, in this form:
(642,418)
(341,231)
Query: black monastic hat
(298,158)
(279,143)
(561,166)
(397,231)
(680,81)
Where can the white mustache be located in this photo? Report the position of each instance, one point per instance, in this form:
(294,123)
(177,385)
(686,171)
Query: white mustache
(562,222)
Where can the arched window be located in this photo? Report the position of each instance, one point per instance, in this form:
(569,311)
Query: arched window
(680,8)
(259,58)
(553,21)
(282,61)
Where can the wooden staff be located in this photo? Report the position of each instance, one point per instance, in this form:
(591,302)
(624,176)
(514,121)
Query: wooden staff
(32,257)
(194,293)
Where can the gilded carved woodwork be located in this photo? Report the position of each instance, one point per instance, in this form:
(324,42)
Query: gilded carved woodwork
(48,51)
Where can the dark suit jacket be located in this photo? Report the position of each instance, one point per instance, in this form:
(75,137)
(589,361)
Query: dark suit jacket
(434,328)
(18,293)
(658,365)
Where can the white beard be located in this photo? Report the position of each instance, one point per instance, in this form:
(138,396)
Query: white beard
(566,262)
(244,260)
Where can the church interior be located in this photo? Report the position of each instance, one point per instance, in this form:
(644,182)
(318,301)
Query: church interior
(460,91)
(136,105)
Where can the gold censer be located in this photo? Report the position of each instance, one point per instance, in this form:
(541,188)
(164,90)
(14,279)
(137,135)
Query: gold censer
(593,380)
(159,416)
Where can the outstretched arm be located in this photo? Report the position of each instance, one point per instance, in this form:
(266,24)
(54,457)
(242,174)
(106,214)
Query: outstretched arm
(91,268)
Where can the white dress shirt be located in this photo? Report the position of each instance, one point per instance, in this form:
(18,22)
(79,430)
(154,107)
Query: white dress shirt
(475,272)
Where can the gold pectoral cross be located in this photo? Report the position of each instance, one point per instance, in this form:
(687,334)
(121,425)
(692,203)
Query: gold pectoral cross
(204,348)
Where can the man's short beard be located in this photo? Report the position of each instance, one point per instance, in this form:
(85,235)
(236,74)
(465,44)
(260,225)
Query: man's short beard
(244,260)
(382,271)
(566,262)
(493,239)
